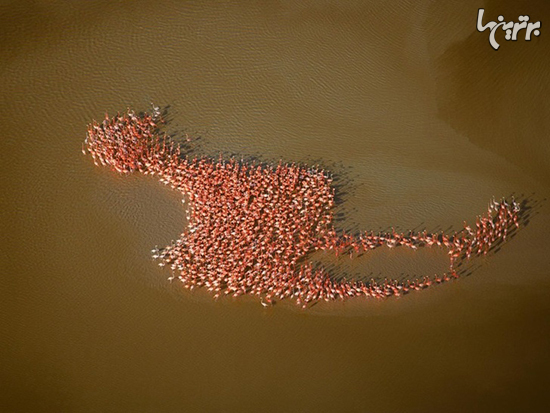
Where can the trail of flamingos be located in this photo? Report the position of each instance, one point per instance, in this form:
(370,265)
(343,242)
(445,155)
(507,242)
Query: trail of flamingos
(251,226)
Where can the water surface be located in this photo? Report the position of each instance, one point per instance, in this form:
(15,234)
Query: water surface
(406,101)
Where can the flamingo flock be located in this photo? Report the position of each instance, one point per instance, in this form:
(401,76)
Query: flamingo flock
(251,226)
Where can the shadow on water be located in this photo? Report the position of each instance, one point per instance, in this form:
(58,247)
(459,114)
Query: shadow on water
(483,107)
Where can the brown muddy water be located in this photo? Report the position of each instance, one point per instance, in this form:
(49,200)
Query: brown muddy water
(423,121)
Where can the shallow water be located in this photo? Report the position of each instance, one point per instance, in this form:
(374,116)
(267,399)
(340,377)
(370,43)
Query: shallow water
(406,102)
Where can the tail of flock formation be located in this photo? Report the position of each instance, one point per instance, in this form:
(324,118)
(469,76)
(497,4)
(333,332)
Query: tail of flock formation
(250,226)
